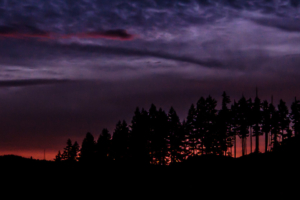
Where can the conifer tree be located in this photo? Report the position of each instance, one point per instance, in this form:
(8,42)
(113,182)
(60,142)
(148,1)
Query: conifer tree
(120,141)
(58,157)
(87,151)
(74,152)
(176,136)
(103,145)
(266,122)
(283,119)
(257,120)
(191,129)
(201,125)
(242,116)
(139,137)
(295,116)
(211,136)
(223,125)
(274,126)
(67,154)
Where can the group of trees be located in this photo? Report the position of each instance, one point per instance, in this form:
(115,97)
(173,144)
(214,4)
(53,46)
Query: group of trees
(157,137)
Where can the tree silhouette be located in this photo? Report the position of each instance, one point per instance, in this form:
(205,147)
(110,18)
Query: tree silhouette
(160,135)
(295,116)
(176,136)
(234,123)
(74,152)
(67,154)
(200,126)
(88,149)
(283,119)
(120,141)
(242,116)
(191,129)
(139,137)
(257,120)
(158,138)
(275,126)
(58,157)
(266,122)
(224,126)
(103,145)
(211,139)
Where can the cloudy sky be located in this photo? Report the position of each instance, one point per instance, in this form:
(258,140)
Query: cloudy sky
(68,67)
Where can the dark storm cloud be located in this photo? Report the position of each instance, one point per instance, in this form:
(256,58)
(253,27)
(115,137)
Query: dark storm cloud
(110,34)
(31,82)
(286,24)
(140,52)
(28,52)
(22,31)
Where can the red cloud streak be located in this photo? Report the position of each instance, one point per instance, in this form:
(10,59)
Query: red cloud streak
(118,34)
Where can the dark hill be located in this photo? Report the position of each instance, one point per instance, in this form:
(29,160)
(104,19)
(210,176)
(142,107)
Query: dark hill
(267,175)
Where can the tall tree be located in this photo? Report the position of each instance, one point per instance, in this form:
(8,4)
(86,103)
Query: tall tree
(176,136)
(295,116)
(274,126)
(103,145)
(243,122)
(88,149)
(257,120)
(200,125)
(234,123)
(120,141)
(139,137)
(160,135)
(74,152)
(58,157)
(191,129)
(224,126)
(211,137)
(152,134)
(266,122)
(67,154)
(283,119)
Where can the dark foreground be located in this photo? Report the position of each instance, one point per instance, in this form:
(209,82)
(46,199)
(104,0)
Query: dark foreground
(271,175)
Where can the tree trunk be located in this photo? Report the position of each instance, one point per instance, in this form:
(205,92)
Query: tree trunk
(266,142)
(235,146)
(250,139)
(257,141)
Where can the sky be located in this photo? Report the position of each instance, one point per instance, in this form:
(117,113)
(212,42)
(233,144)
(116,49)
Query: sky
(68,67)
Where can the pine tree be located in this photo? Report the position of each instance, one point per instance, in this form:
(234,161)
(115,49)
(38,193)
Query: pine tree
(87,151)
(211,137)
(274,126)
(242,116)
(295,116)
(200,125)
(139,137)
(58,157)
(67,154)
(266,122)
(191,130)
(74,152)
(257,120)
(103,145)
(120,141)
(224,126)
(176,136)
(283,119)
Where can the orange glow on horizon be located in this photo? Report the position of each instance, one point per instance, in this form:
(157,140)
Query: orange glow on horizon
(37,154)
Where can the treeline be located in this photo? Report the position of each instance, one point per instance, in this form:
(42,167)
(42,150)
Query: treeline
(157,137)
